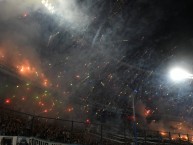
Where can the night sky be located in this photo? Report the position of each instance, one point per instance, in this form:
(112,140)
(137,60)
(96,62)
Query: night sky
(87,59)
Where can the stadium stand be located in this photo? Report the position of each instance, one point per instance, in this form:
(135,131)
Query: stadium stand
(58,131)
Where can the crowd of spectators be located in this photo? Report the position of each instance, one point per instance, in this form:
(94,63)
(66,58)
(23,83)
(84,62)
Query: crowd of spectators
(11,124)
(16,124)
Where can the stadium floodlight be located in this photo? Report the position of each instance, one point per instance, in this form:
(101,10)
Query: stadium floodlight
(179,74)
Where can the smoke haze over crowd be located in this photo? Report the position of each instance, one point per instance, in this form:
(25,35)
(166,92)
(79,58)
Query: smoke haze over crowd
(90,57)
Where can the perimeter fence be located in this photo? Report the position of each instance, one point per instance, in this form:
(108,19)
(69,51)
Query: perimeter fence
(16,123)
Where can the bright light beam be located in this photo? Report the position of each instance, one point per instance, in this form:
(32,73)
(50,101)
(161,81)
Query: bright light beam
(179,74)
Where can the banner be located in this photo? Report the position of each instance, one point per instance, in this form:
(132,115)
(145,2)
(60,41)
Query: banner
(21,140)
(35,141)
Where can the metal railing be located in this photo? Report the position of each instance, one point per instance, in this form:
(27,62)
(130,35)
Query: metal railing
(69,131)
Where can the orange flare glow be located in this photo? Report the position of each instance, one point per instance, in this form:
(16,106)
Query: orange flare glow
(147,112)
(31,72)
(163,133)
(2,56)
(184,137)
(45,83)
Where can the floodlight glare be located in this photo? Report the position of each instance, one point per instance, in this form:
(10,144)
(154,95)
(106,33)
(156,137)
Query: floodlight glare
(179,74)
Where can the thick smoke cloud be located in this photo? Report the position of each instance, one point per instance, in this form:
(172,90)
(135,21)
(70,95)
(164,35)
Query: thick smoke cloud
(12,9)
(95,53)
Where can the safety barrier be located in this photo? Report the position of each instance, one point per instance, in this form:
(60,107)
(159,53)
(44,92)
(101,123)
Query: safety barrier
(68,131)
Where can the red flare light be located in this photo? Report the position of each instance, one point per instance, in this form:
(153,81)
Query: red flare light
(131,117)
(88,121)
(7,101)
(148,112)
(25,14)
